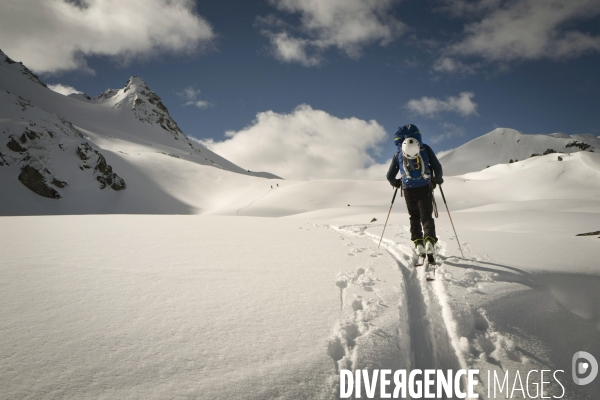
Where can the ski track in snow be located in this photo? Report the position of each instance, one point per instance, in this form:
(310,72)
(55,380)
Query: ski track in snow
(434,339)
(434,333)
(252,202)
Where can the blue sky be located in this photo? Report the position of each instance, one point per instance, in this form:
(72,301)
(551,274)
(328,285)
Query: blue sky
(456,68)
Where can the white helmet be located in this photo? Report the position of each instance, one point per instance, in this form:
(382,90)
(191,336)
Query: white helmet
(411,148)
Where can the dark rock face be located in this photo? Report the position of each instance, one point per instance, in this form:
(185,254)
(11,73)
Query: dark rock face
(15,146)
(34,181)
(58,183)
(579,145)
(105,176)
(589,234)
(549,151)
(84,151)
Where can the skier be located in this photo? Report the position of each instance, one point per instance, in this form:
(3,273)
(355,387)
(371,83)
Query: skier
(416,162)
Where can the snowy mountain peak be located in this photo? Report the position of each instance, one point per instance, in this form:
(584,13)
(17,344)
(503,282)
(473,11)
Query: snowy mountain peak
(145,104)
(136,83)
(18,68)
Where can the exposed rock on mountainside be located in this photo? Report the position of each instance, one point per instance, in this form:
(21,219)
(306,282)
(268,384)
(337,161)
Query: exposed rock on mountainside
(34,180)
(103,171)
(39,145)
(71,147)
(146,106)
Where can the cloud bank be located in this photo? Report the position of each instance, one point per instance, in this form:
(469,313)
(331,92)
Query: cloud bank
(306,144)
(521,30)
(431,107)
(51,36)
(348,25)
(63,89)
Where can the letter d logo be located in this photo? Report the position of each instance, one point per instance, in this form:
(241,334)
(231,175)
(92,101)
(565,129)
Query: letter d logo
(582,367)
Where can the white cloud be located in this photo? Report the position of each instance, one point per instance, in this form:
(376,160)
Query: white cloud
(348,25)
(430,106)
(291,49)
(451,65)
(56,35)
(63,89)
(448,131)
(190,95)
(306,144)
(525,29)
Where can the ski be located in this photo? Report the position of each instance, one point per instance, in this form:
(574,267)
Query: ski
(430,272)
(431,259)
(420,260)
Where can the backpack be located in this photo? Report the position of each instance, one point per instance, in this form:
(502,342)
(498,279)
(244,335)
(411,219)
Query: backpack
(415,172)
(407,131)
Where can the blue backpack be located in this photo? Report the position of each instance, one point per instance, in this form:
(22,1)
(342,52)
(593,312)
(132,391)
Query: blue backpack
(407,131)
(415,172)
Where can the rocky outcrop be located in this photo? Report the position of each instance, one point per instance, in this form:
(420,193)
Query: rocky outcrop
(35,181)
(579,145)
(15,146)
(146,106)
(37,141)
(92,159)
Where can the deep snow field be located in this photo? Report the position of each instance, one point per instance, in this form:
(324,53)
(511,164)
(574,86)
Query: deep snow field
(286,286)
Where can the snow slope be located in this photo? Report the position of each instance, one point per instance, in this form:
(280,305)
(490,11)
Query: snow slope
(119,128)
(502,145)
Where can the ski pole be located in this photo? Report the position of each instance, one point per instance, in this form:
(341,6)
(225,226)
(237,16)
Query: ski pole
(449,216)
(388,217)
(435,210)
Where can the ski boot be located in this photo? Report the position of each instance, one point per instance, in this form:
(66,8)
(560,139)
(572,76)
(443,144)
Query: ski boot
(420,250)
(430,250)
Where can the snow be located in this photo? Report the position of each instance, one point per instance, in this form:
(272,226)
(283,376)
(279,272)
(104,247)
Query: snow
(502,145)
(267,288)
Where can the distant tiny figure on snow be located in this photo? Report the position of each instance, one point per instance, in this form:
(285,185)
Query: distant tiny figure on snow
(278,185)
(559,158)
(374,219)
(420,172)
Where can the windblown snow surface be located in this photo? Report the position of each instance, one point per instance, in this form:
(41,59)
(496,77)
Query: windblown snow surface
(232,306)
(265,289)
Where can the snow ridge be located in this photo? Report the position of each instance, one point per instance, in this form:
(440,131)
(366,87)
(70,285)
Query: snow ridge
(503,146)
(19,68)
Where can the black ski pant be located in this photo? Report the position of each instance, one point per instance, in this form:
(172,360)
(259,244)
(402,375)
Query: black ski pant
(419,202)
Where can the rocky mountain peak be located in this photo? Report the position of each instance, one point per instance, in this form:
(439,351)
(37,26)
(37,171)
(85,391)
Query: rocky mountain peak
(147,106)
(136,84)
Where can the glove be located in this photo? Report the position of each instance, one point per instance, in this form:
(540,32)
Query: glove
(433,184)
(439,180)
(397,184)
